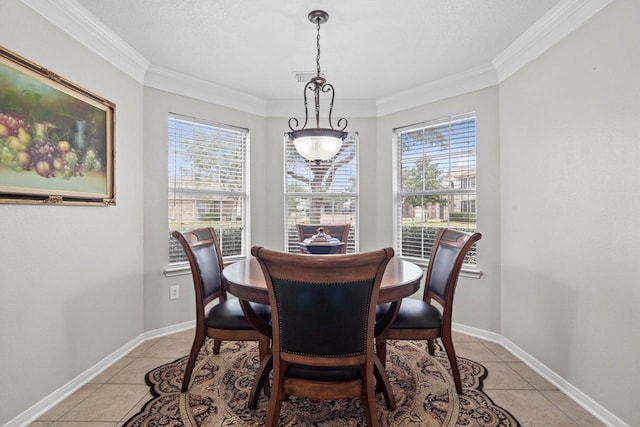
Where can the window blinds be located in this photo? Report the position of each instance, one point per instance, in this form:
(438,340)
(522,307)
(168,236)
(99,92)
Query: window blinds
(207,182)
(436,184)
(321,193)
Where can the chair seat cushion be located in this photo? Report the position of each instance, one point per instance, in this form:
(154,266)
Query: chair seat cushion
(321,373)
(229,315)
(413,314)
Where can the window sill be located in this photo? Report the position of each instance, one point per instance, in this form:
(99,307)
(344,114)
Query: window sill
(466,271)
(177,270)
(183,268)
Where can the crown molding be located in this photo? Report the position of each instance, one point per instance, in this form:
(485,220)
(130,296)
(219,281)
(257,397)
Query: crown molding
(456,84)
(182,84)
(560,21)
(80,24)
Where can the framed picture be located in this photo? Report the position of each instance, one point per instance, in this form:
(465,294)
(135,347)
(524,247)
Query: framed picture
(56,138)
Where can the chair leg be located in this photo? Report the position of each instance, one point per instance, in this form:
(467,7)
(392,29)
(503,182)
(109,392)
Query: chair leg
(260,381)
(275,402)
(198,340)
(431,346)
(369,400)
(264,351)
(216,345)
(447,342)
(381,348)
(383,384)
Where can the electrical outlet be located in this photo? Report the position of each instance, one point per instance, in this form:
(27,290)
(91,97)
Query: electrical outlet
(174,292)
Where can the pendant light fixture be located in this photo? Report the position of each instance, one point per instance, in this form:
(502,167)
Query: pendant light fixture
(317,144)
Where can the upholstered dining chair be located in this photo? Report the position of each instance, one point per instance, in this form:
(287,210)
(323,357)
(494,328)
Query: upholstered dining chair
(224,320)
(323,317)
(338,231)
(421,319)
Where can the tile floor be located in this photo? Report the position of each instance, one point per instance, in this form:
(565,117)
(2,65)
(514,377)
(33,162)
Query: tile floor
(120,391)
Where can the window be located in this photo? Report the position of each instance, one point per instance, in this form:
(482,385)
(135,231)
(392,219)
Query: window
(207,182)
(323,192)
(436,183)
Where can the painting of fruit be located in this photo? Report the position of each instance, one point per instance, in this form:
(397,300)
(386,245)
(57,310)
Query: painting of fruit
(56,139)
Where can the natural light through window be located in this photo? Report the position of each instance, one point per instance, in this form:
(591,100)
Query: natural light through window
(436,183)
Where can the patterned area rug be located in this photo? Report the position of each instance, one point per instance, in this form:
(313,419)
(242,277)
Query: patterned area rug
(220,386)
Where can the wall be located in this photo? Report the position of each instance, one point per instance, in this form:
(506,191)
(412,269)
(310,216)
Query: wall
(557,216)
(478,301)
(159,311)
(71,290)
(570,149)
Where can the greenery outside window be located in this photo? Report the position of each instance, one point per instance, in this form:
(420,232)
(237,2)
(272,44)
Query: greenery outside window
(436,183)
(321,192)
(207,183)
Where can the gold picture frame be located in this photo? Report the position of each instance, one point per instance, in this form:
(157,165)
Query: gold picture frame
(56,138)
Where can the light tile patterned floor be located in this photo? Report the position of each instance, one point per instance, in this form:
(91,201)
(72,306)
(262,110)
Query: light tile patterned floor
(120,391)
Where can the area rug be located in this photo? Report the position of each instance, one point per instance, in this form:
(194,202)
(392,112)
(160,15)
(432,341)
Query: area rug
(220,386)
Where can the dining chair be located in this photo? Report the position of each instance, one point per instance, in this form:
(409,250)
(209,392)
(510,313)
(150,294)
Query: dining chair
(421,319)
(224,320)
(323,317)
(338,231)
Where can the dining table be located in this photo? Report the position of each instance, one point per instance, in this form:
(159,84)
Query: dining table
(245,280)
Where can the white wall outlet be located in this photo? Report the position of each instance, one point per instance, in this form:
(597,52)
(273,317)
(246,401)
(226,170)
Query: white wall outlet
(174,292)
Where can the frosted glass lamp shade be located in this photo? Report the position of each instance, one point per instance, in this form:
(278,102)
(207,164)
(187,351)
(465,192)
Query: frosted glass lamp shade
(318,144)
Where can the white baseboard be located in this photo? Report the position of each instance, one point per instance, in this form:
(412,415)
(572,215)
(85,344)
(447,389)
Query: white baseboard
(567,388)
(41,407)
(563,385)
(69,388)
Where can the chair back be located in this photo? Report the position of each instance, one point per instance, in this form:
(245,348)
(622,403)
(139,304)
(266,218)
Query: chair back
(447,256)
(322,306)
(338,231)
(203,252)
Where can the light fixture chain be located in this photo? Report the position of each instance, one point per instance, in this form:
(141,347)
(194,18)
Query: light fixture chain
(318,46)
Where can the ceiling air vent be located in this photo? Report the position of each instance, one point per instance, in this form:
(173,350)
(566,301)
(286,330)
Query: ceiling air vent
(305,76)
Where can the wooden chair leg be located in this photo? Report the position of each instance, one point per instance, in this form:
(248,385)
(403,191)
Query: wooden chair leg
(216,345)
(431,346)
(381,348)
(260,381)
(369,402)
(198,340)
(383,384)
(264,351)
(453,361)
(275,402)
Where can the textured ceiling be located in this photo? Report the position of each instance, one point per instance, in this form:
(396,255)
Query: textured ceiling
(370,49)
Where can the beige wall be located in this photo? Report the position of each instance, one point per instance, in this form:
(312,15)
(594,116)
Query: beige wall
(557,182)
(570,146)
(71,283)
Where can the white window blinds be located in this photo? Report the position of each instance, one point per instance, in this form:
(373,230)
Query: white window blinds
(207,182)
(436,184)
(321,193)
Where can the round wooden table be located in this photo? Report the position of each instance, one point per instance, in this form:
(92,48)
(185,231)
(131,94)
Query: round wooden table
(246,281)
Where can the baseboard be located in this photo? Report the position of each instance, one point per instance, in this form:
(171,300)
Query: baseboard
(563,385)
(157,333)
(69,388)
(35,411)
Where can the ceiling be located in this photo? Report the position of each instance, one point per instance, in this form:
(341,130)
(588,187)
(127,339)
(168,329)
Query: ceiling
(370,49)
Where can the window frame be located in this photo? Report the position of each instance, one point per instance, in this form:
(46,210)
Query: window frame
(470,270)
(290,231)
(180,267)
